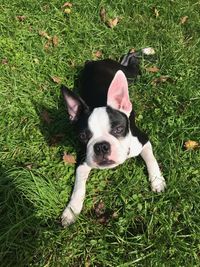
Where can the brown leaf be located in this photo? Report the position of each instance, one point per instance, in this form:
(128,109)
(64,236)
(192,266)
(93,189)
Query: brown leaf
(67,4)
(20,18)
(29,166)
(190,145)
(97,54)
(103,14)
(44,34)
(67,11)
(183,20)
(55,40)
(99,208)
(112,22)
(161,79)
(153,69)
(4,61)
(132,50)
(56,79)
(48,44)
(69,159)
(46,117)
(156,12)
(56,139)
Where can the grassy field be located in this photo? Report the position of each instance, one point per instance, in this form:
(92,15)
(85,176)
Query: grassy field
(123,223)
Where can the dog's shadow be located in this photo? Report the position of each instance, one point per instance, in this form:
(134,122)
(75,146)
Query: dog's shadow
(54,122)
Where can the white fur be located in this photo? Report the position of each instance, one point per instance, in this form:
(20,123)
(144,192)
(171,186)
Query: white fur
(76,202)
(155,177)
(99,125)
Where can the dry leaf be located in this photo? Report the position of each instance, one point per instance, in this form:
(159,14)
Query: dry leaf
(161,79)
(99,208)
(153,69)
(103,14)
(20,18)
(132,50)
(56,139)
(56,79)
(55,40)
(44,34)
(112,22)
(67,11)
(4,61)
(46,117)
(156,12)
(183,20)
(69,159)
(67,4)
(97,54)
(29,166)
(48,43)
(190,145)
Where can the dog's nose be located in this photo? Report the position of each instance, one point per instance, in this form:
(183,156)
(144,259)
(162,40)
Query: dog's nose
(102,148)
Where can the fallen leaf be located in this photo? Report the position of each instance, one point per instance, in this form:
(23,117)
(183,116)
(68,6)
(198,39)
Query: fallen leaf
(29,166)
(103,14)
(112,22)
(48,44)
(67,11)
(99,208)
(46,117)
(153,69)
(56,139)
(36,61)
(161,79)
(132,50)
(20,18)
(183,20)
(55,40)
(4,61)
(44,34)
(67,4)
(190,145)
(69,159)
(156,12)
(97,54)
(56,79)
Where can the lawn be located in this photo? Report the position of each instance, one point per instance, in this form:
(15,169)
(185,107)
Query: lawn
(123,223)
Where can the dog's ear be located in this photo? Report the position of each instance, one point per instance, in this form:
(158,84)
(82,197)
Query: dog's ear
(75,105)
(118,96)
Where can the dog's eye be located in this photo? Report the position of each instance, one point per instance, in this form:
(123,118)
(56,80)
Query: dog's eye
(118,130)
(84,136)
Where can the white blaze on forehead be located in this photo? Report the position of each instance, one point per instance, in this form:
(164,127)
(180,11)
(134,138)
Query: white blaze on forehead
(99,122)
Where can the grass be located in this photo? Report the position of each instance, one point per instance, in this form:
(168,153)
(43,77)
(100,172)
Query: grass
(139,228)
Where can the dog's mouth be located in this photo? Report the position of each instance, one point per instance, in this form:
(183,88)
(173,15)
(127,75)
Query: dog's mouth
(105,162)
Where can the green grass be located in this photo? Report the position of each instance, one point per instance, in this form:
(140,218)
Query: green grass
(148,229)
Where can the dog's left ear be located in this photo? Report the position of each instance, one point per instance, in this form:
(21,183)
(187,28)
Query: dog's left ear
(118,96)
(75,105)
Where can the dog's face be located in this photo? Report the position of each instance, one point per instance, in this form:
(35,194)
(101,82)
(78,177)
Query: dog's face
(105,130)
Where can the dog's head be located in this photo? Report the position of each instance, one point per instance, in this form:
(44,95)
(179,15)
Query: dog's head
(105,130)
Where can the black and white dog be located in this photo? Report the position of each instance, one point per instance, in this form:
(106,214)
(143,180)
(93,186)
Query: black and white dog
(105,123)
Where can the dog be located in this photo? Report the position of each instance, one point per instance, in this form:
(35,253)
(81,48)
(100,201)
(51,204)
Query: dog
(104,121)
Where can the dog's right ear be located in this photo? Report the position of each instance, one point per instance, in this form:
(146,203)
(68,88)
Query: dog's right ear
(75,105)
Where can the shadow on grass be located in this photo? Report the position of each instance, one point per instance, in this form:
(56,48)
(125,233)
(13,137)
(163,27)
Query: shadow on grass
(20,226)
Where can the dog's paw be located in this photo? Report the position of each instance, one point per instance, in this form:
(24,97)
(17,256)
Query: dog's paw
(158,184)
(68,217)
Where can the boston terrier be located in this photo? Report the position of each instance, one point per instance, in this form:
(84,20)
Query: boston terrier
(104,122)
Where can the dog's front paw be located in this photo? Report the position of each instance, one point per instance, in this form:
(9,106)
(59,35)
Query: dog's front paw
(158,184)
(68,217)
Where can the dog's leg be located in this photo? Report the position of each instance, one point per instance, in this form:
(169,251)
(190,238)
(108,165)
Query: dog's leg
(157,180)
(76,202)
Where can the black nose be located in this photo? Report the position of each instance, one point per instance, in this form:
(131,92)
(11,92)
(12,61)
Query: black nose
(102,148)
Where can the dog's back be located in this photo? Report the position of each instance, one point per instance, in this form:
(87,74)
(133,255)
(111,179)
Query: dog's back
(97,76)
